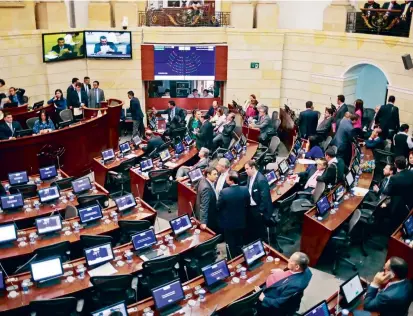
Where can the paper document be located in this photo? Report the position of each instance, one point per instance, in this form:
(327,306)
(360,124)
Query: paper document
(306,161)
(77,111)
(103,270)
(359,191)
(130,156)
(170,164)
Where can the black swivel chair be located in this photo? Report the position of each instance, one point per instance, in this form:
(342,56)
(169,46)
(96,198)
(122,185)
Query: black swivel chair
(27,190)
(92,199)
(119,177)
(65,306)
(178,133)
(246,306)
(88,241)
(381,158)
(306,200)
(129,228)
(31,121)
(63,184)
(260,160)
(160,182)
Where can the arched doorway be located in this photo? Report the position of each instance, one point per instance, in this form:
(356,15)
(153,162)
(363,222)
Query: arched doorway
(367,82)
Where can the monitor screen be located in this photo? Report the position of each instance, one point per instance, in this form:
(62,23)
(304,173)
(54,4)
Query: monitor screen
(215,272)
(99,254)
(349,179)
(179,148)
(339,193)
(47,269)
(105,44)
(167,294)
(8,233)
(253,252)
(81,185)
(237,147)
(90,213)
(124,148)
(2,283)
(136,140)
(188,140)
(408,226)
(195,175)
(180,224)
(47,173)
(63,46)
(48,194)
(125,202)
(12,201)
(229,156)
(323,205)
(320,309)
(108,154)
(48,224)
(292,158)
(18,178)
(146,164)
(165,155)
(297,145)
(144,239)
(110,310)
(283,166)
(352,289)
(184,62)
(271,177)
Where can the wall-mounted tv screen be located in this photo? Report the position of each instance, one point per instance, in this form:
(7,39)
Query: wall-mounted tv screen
(184,62)
(63,46)
(104,44)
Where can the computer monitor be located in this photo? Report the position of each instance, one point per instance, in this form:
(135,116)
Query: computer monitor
(179,148)
(253,252)
(283,166)
(229,156)
(125,202)
(65,124)
(119,307)
(47,225)
(8,233)
(321,309)
(271,177)
(323,206)
(408,227)
(349,179)
(47,173)
(47,269)
(146,165)
(108,154)
(10,105)
(188,140)
(12,202)
(144,239)
(98,255)
(2,283)
(81,185)
(90,214)
(17,178)
(124,147)
(136,140)
(243,140)
(165,155)
(180,224)
(291,159)
(215,274)
(195,175)
(37,105)
(339,193)
(168,295)
(23,132)
(351,290)
(297,145)
(48,194)
(238,147)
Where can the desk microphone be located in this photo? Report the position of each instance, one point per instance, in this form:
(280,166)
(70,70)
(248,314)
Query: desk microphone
(5,273)
(24,265)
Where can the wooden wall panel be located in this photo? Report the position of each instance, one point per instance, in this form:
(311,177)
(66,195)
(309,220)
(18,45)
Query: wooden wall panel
(148,62)
(221,63)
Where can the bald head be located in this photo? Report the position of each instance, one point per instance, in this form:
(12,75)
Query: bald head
(298,262)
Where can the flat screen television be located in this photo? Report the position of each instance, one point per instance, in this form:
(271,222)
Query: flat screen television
(63,46)
(106,44)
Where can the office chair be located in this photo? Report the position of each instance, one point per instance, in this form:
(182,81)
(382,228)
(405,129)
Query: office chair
(30,122)
(201,256)
(291,306)
(341,242)
(92,199)
(381,158)
(368,117)
(129,228)
(305,200)
(27,190)
(326,143)
(271,154)
(88,241)
(66,115)
(111,289)
(64,306)
(157,272)
(63,184)
(178,133)
(246,306)
(70,212)
(259,158)
(160,182)
(120,175)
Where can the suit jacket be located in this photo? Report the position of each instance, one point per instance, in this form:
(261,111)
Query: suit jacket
(87,88)
(19,93)
(400,147)
(401,184)
(307,123)
(73,99)
(344,135)
(277,296)
(71,89)
(375,5)
(375,143)
(56,48)
(333,174)
(178,112)
(396,6)
(98,47)
(408,13)
(202,163)
(135,109)
(94,101)
(153,143)
(227,133)
(388,118)
(261,195)
(6,132)
(264,124)
(340,114)
(233,203)
(394,300)
(211,111)
(206,203)
(205,136)
(324,127)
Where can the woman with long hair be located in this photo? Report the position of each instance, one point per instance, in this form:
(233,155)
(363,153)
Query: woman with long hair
(59,102)
(194,123)
(359,109)
(44,124)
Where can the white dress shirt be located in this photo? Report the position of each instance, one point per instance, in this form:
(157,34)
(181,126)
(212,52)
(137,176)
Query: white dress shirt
(79,94)
(252,179)
(221,182)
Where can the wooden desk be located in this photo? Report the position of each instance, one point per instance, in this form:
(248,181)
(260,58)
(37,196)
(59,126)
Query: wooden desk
(45,184)
(65,288)
(251,133)
(316,234)
(225,296)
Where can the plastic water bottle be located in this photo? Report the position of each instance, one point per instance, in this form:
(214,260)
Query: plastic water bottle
(25,287)
(244,149)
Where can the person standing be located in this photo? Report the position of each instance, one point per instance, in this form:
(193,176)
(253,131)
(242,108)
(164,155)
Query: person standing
(324,128)
(173,111)
(96,95)
(72,87)
(137,114)
(359,110)
(86,85)
(344,137)
(388,118)
(223,168)
(232,207)
(342,109)
(206,200)
(77,99)
(307,121)
(205,134)
(402,142)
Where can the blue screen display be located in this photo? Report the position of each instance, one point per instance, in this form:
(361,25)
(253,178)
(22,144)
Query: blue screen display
(408,226)
(215,272)
(125,202)
(49,194)
(108,154)
(90,213)
(18,178)
(229,156)
(144,239)
(253,252)
(271,177)
(179,148)
(180,224)
(124,148)
(12,201)
(323,206)
(81,185)
(168,294)
(48,172)
(319,310)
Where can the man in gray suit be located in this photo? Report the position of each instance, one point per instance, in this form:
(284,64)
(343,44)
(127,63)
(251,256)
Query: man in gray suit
(324,128)
(263,123)
(344,137)
(202,164)
(96,95)
(206,200)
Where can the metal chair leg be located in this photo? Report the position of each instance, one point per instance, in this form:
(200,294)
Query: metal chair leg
(291,241)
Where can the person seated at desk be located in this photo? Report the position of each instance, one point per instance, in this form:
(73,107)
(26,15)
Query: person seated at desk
(62,49)
(324,128)
(206,94)
(172,111)
(311,174)
(390,293)
(194,94)
(205,134)
(58,101)
(202,164)
(104,47)
(281,285)
(307,121)
(263,123)
(153,142)
(44,124)
(194,123)
(313,150)
(213,109)
(8,127)
(223,132)
(16,95)
(335,169)
(375,141)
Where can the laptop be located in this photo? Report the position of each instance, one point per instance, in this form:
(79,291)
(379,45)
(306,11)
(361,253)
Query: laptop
(108,155)
(167,297)
(38,105)
(24,132)
(179,148)
(180,226)
(323,206)
(146,165)
(119,308)
(143,243)
(351,290)
(124,148)
(271,177)
(46,270)
(408,227)
(18,178)
(339,193)
(283,167)
(165,155)
(253,253)
(195,175)
(215,275)
(321,309)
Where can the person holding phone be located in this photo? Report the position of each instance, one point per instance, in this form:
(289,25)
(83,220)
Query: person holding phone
(58,101)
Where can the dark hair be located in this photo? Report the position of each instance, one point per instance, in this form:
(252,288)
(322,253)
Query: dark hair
(252,164)
(131,93)
(314,141)
(206,90)
(45,113)
(86,78)
(400,162)
(331,152)
(404,127)
(220,111)
(12,88)
(308,104)
(193,90)
(60,39)
(74,80)
(102,37)
(392,168)
(2,82)
(233,176)
(392,99)
(359,106)
(206,116)
(58,90)
(341,98)
(253,96)
(171,102)
(254,102)
(96,82)
(7,114)
(354,117)
(399,267)
(167,90)
(116,313)
(79,84)
(329,111)
(209,170)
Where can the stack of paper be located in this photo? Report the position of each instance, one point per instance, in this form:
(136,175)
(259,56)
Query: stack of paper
(103,270)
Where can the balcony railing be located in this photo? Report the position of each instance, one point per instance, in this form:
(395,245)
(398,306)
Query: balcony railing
(183,17)
(378,21)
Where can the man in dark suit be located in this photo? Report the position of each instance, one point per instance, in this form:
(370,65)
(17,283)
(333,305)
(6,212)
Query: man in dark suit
(223,167)
(388,118)
(344,137)
(173,111)
(368,16)
(324,128)
(206,200)
(202,164)
(307,121)
(232,207)
(104,47)
(402,142)
(335,169)
(308,178)
(281,286)
(260,204)
(96,95)
(396,292)
(62,49)
(376,193)
(16,95)
(392,5)
(8,128)
(78,97)
(342,109)
(205,134)
(263,123)
(137,114)
(153,142)
(86,85)
(213,109)
(223,134)
(72,87)
(406,14)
